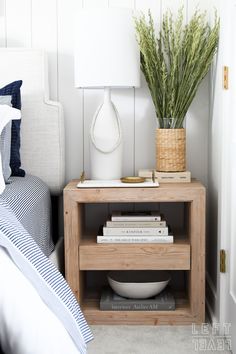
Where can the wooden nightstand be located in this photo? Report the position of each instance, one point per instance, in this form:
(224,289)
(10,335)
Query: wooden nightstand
(83,254)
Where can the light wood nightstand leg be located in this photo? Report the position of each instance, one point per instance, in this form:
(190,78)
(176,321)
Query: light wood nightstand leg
(197,274)
(73,230)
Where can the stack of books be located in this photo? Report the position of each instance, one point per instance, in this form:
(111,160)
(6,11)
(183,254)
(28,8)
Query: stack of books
(135,227)
(110,301)
(165,177)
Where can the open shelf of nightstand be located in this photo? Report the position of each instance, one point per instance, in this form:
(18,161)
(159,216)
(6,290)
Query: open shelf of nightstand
(91,310)
(187,253)
(182,313)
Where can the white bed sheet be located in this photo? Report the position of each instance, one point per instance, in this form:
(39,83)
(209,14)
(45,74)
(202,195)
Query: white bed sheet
(27,324)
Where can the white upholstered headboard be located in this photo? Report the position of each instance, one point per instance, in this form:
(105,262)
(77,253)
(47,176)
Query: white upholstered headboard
(42,126)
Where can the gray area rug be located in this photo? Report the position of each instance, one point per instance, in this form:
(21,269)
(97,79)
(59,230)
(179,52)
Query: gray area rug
(155,340)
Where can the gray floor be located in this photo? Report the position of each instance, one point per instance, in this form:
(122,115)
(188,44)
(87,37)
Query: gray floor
(154,340)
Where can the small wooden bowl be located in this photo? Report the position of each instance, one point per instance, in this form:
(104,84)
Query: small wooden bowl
(133,179)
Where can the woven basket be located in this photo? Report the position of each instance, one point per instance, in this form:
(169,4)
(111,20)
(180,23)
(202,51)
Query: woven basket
(170,150)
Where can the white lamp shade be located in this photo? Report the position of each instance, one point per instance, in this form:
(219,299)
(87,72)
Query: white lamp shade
(106,50)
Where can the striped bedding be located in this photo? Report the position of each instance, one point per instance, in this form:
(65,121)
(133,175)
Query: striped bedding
(29,200)
(48,282)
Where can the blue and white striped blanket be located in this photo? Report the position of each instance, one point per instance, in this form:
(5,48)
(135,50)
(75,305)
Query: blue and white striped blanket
(29,199)
(43,275)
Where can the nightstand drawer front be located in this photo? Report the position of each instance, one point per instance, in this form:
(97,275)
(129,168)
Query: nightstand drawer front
(134,256)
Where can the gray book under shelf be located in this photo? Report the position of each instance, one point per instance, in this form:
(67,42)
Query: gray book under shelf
(110,301)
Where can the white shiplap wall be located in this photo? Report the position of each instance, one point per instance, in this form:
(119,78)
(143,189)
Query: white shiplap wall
(48,24)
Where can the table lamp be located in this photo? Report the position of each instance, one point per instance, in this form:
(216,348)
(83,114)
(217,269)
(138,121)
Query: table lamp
(106,56)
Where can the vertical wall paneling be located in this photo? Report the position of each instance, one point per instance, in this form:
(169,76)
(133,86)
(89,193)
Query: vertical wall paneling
(124,102)
(18,23)
(130,4)
(44,36)
(197,117)
(174,6)
(145,117)
(209,6)
(70,97)
(153,5)
(2,24)
(92,97)
(95,3)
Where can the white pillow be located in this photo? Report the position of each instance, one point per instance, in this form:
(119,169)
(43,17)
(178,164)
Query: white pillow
(27,325)
(7,114)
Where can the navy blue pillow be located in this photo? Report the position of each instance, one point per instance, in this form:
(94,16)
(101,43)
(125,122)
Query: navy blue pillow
(13,89)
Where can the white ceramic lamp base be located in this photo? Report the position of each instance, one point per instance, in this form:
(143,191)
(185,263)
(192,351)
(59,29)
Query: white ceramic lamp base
(106,142)
(106,166)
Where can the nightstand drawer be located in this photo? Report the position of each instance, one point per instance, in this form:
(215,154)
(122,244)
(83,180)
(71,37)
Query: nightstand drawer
(134,256)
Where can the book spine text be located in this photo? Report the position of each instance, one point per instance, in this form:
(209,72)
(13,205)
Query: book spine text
(137,307)
(136,231)
(136,218)
(136,223)
(135,239)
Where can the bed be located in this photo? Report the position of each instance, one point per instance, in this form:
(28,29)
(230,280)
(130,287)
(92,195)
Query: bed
(43,316)
(29,199)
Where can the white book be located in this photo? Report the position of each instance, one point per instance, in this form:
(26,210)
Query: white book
(136,216)
(135,239)
(161,223)
(147,173)
(135,231)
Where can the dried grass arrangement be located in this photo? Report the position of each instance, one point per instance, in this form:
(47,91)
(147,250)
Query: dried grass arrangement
(175,62)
